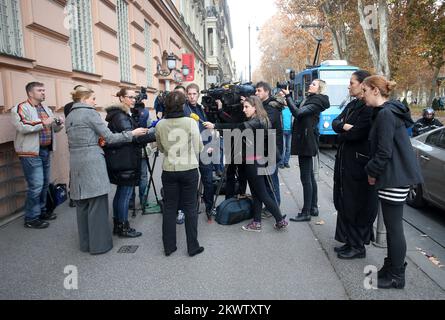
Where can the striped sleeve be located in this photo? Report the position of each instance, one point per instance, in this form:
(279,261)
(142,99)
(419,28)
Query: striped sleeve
(22,121)
(394,195)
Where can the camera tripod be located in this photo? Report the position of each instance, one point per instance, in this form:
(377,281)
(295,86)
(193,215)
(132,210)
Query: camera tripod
(151,168)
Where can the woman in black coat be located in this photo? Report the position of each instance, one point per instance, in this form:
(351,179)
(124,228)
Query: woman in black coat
(392,168)
(355,200)
(124,161)
(253,161)
(305,142)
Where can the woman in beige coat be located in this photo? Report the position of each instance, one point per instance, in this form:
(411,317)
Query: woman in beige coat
(179,139)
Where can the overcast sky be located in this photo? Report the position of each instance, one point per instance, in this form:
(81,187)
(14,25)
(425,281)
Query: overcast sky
(241,13)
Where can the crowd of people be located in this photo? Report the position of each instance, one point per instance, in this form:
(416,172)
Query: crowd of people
(374,162)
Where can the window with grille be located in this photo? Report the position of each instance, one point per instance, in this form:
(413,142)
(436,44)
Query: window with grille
(11,39)
(124,40)
(148,54)
(81,35)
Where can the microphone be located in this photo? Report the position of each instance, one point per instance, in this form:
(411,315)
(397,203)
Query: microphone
(152,123)
(194,116)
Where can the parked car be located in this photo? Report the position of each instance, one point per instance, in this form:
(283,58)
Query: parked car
(430,152)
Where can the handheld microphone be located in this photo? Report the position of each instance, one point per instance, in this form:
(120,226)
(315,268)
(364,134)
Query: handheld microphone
(152,123)
(194,116)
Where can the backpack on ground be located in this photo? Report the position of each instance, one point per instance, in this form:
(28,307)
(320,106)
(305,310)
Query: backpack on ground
(56,195)
(234,210)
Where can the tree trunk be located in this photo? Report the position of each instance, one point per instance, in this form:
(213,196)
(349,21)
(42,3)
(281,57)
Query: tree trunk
(433,86)
(372,48)
(383,47)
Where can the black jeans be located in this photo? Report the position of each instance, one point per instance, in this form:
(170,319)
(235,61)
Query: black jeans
(232,171)
(257,184)
(206,171)
(180,189)
(395,238)
(309,184)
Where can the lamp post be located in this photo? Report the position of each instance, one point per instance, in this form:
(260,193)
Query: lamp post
(250,66)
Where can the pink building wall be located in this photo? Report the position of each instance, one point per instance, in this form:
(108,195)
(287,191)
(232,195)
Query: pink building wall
(47,58)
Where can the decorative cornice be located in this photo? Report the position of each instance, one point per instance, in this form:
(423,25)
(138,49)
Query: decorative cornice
(106,28)
(85,76)
(48,32)
(16,62)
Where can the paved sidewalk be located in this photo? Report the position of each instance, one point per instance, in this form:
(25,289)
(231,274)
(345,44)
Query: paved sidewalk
(295,264)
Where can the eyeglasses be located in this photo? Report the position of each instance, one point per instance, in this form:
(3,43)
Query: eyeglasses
(130,97)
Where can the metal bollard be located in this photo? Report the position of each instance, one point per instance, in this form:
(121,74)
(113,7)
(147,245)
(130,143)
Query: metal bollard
(380,239)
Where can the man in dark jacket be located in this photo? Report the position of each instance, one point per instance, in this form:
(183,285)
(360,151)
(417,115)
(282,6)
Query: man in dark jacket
(206,170)
(273,109)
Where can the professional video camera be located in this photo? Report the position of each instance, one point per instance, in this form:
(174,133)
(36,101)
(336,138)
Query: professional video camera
(142,95)
(286,85)
(230,96)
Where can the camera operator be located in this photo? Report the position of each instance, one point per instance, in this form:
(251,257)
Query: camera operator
(305,142)
(257,120)
(233,169)
(142,117)
(273,109)
(426,123)
(159,104)
(124,161)
(192,106)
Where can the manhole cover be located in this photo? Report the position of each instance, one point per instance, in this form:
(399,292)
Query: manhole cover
(128,249)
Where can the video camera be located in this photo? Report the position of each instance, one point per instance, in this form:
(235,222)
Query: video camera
(142,95)
(230,96)
(288,85)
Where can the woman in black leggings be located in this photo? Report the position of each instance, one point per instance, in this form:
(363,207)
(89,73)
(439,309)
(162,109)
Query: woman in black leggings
(257,120)
(392,168)
(305,142)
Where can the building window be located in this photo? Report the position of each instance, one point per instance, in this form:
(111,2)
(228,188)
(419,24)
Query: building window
(10,28)
(81,36)
(210,38)
(124,40)
(148,54)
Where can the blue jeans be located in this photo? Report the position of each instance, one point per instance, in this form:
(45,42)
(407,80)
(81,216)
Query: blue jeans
(287,135)
(276,186)
(37,171)
(143,183)
(121,202)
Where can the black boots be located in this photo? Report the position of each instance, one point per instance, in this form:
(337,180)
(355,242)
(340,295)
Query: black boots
(301,217)
(342,248)
(352,253)
(391,277)
(123,230)
(382,272)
